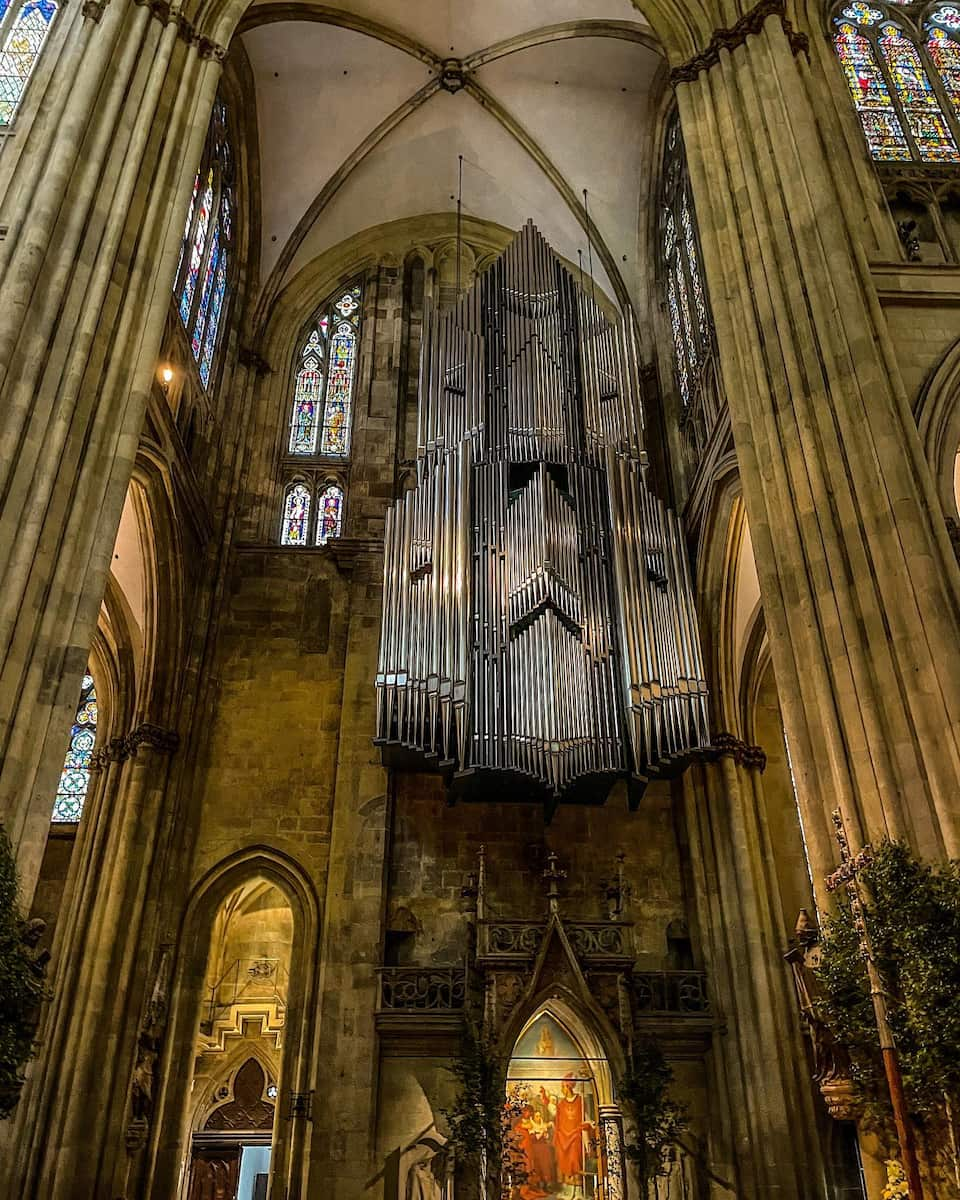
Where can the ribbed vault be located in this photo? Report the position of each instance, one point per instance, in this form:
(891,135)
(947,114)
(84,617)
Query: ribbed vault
(364,108)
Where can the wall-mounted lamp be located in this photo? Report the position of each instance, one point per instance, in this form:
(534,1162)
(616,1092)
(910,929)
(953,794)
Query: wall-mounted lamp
(166,378)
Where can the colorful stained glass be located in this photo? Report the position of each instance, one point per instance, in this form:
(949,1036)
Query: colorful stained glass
(693,270)
(23,40)
(948,16)
(187,226)
(296,516)
(944,52)
(308,394)
(336,411)
(861,13)
(75,776)
(878,116)
(200,321)
(196,252)
(929,128)
(329,514)
(213,328)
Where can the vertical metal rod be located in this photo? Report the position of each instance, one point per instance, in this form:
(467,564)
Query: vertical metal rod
(459,217)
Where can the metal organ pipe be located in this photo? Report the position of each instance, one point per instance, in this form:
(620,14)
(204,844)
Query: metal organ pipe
(538,620)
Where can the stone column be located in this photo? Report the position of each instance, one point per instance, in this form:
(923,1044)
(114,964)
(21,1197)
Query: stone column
(95,217)
(859,582)
(345,1100)
(77,1095)
(763,1135)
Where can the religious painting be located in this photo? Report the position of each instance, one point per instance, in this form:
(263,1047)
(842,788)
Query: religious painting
(551,1117)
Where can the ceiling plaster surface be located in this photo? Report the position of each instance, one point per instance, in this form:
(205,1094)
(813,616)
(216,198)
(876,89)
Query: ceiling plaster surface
(591,124)
(456,28)
(127,563)
(415,172)
(322,90)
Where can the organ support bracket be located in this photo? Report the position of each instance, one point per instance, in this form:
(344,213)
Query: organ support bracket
(539,637)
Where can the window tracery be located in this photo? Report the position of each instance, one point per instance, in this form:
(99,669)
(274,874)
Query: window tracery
(901,62)
(684,292)
(321,414)
(206,253)
(23,32)
(75,776)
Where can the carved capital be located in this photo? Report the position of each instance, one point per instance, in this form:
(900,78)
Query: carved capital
(166,13)
(116,750)
(724,743)
(93,9)
(253,360)
(154,737)
(736,35)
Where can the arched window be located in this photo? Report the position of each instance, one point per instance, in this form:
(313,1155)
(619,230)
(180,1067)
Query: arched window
(206,254)
(684,293)
(902,66)
(296,515)
(75,777)
(23,31)
(323,387)
(321,416)
(329,513)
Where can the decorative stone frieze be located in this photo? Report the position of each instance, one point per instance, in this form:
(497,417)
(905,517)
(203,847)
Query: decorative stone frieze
(727,744)
(153,737)
(730,38)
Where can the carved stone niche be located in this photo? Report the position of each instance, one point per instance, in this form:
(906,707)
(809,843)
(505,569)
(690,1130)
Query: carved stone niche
(831,1063)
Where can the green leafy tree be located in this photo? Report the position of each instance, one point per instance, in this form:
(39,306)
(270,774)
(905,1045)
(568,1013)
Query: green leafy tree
(913,914)
(658,1120)
(480,1119)
(21,986)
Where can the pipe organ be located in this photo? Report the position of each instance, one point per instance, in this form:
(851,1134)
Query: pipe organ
(539,633)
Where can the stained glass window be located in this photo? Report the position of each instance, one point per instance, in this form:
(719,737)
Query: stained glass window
(681,273)
(944,50)
(329,514)
(203,280)
(925,118)
(23,31)
(893,77)
(308,391)
(321,413)
(75,776)
(296,515)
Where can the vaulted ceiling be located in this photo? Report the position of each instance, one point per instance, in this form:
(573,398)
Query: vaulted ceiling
(363,108)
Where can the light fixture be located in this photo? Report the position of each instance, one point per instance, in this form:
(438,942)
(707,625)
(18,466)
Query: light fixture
(166,377)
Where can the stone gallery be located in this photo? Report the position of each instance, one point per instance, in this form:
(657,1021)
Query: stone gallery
(479,600)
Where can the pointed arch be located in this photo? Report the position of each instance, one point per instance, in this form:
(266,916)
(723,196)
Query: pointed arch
(172,1123)
(903,77)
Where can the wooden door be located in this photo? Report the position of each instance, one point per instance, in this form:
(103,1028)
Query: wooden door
(214,1174)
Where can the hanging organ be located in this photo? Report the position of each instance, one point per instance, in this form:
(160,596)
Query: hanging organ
(538,618)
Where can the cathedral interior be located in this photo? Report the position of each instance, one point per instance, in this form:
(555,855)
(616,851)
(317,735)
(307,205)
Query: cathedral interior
(489,472)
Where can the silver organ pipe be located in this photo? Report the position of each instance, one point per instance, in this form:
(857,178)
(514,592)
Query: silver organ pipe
(538,616)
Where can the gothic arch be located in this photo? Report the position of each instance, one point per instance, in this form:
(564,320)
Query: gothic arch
(172,1121)
(589,1030)
(721,531)
(937,411)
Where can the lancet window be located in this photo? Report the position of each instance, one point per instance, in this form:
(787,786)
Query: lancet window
(901,62)
(23,32)
(75,776)
(320,420)
(202,284)
(684,291)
